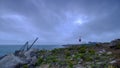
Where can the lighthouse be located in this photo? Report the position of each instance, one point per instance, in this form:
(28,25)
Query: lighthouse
(80,39)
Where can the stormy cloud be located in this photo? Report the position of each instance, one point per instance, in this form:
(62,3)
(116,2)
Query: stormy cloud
(59,21)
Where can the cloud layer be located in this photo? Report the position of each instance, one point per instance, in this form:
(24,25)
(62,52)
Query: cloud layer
(59,21)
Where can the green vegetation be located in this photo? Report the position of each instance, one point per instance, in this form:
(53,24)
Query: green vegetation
(118,45)
(25,66)
(94,55)
(40,61)
(74,55)
(70,57)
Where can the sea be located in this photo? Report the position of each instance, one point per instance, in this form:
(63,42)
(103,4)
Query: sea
(8,49)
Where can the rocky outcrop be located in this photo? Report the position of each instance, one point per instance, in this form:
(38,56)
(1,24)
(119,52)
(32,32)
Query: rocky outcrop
(11,61)
(115,44)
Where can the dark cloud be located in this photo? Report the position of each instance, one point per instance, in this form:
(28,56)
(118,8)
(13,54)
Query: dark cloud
(59,21)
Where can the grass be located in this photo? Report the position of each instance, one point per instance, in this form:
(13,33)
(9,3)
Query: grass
(70,55)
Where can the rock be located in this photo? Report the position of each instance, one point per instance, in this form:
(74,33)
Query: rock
(102,51)
(10,61)
(44,66)
(117,63)
(73,55)
(31,53)
(114,44)
(2,57)
(71,59)
(31,66)
(88,63)
(100,54)
(80,61)
(31,57)
(99,63)
(79,66)
(33,60)
(112,62)
(109,53)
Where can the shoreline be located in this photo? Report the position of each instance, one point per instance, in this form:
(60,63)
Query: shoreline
(72,56)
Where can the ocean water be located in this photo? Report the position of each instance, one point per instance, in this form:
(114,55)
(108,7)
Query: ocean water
(7,49)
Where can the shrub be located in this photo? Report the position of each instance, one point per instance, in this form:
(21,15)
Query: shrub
(88,59)
(25,66)
(50,59)
(67,53)
(82,49)
(70,64)
(92,51)
(40,60)
(118,46)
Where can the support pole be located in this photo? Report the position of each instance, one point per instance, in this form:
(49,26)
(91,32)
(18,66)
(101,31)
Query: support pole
(32,44)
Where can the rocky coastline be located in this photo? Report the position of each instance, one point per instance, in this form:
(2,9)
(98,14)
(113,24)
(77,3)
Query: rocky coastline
(99,55)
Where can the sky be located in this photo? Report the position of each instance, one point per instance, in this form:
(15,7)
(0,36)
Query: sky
(59,21)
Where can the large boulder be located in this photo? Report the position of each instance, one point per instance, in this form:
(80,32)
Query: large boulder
(10,61)
(31,57)
(31,53)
